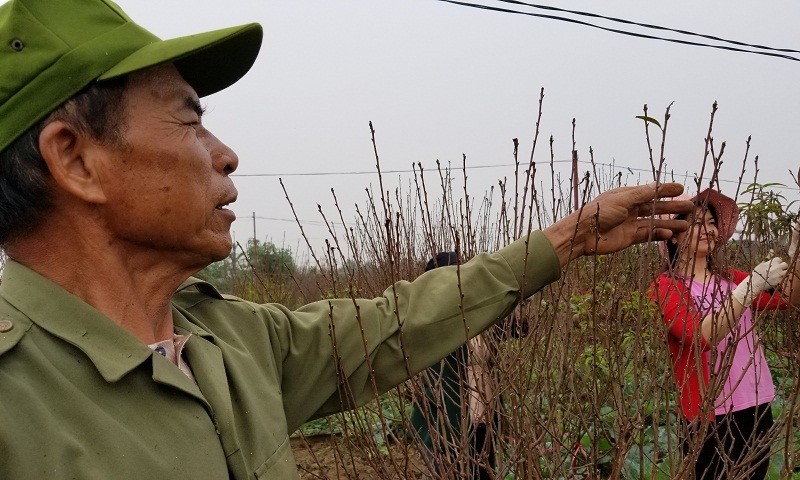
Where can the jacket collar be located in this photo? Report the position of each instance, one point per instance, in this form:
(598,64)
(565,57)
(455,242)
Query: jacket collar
(113,350)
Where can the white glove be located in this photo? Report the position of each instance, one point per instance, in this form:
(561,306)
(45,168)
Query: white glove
(766,275)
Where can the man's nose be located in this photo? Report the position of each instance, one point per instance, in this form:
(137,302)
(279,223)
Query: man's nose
(224,159)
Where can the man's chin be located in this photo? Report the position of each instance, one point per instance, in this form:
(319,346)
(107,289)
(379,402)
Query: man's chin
(220,254)
(199,256)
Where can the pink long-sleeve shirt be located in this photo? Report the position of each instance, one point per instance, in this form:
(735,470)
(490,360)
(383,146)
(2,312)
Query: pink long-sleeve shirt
(684,303)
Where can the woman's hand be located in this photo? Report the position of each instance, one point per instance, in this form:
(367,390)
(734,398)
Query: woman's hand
(766,275)
(795,240)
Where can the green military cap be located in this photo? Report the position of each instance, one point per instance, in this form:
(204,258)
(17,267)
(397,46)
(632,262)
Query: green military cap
(51,49)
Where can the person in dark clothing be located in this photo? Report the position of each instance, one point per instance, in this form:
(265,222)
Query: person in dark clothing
(455,390)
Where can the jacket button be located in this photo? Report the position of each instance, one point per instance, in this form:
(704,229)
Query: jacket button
(5,325)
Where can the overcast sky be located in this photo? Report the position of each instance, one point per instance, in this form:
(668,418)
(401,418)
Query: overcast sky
(440,80)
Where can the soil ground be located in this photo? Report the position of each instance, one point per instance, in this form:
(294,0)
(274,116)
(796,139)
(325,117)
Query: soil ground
(326,457)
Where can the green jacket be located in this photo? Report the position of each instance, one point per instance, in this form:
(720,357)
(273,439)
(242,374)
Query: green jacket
(82,398)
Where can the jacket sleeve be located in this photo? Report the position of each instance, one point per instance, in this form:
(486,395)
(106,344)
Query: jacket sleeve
(680,315)
(341,353)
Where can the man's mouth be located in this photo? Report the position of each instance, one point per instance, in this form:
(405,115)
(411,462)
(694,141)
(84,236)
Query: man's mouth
(225,203)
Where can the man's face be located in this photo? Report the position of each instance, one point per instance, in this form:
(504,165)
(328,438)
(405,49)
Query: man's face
(168,184)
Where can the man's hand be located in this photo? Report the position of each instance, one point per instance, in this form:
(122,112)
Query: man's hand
(617,219)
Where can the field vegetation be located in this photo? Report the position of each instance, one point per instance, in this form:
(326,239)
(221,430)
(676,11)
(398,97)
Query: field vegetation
(587,389)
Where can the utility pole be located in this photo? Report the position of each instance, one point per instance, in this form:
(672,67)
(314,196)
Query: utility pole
(254,251)
(574,180)
(234,261)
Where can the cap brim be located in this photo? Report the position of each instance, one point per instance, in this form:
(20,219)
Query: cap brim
(209,61)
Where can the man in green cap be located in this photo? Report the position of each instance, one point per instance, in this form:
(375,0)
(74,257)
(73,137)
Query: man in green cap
(112,194)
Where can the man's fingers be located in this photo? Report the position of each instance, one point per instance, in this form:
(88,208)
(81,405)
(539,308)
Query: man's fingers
(649,231)
(670,189)
(646,193)
(647,234)
(668,207)
(664,224)
(662,234)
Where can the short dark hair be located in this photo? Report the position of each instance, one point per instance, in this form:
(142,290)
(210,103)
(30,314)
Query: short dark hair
(442,259)
(25,182)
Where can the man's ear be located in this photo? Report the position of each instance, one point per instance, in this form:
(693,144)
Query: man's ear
(74,160)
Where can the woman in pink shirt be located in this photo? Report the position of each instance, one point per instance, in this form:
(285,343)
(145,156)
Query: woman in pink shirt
(719,362)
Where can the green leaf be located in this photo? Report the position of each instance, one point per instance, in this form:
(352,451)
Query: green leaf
(649,120)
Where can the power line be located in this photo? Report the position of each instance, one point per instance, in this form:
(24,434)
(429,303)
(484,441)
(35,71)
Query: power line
(290,220)
(615,166)
(647,25)
(363,172)
(771,52)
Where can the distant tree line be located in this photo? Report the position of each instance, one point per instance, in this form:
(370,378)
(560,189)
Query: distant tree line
(259,259)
